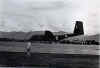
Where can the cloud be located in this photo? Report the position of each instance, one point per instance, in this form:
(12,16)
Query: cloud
(93,21)
(47,5)
(55,15)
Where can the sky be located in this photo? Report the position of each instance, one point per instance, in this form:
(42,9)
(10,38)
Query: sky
(54,15)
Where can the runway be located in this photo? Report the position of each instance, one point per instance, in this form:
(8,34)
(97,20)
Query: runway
(46,55)
(50,48)
(49,60)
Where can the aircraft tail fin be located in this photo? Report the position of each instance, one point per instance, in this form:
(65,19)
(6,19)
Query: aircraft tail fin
(79,30)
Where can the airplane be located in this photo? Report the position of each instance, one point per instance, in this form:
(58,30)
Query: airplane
(50,36)
(60,37)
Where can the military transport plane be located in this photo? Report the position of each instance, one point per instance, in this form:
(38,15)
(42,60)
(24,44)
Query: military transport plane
(56,37)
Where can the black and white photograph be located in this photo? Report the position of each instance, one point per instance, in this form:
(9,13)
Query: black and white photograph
(50,33)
